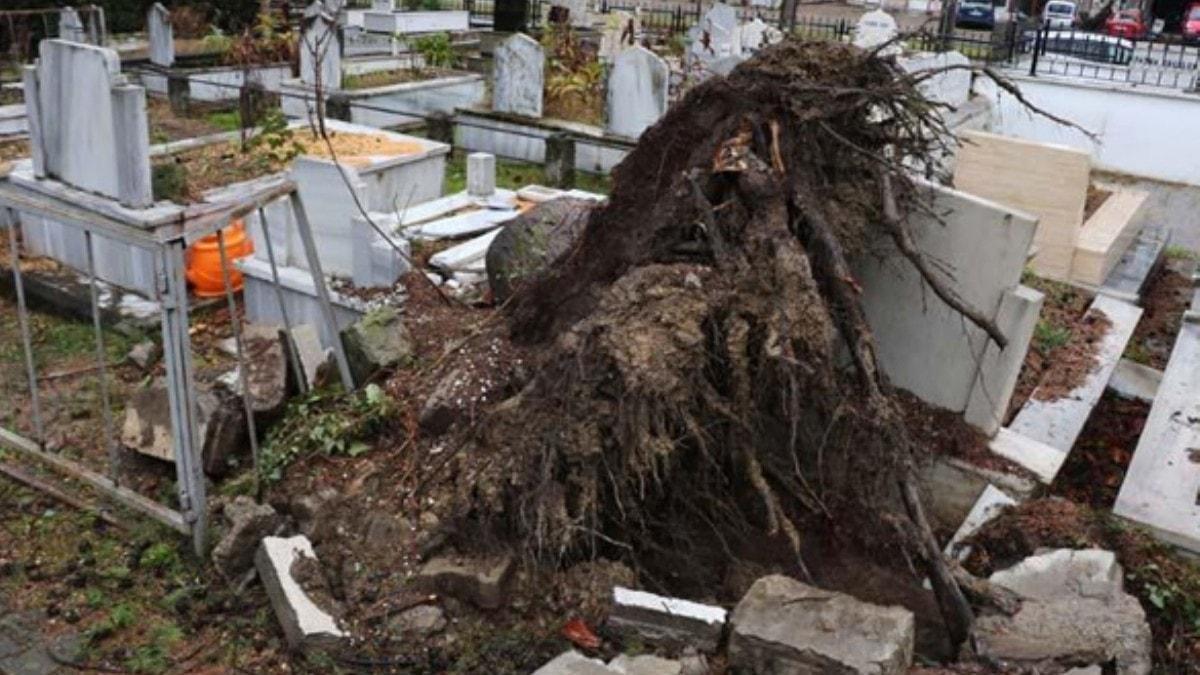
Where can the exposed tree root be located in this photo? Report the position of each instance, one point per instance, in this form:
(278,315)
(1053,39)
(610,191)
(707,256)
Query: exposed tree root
(706,355)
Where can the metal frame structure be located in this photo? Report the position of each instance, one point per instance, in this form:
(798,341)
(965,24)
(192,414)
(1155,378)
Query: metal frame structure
(167,244)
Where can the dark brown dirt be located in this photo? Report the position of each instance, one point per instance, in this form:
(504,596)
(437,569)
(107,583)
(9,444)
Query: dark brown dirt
(945,434)
(1063,307)
(1076,359)
(165,125)
(1167,296)
(1165,583)
(1094,470)
(1095,199)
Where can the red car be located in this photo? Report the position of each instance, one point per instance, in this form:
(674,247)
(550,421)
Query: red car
(1127,23)
(1191,23)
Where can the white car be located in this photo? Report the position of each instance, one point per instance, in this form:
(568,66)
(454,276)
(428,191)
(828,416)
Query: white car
(1060,14)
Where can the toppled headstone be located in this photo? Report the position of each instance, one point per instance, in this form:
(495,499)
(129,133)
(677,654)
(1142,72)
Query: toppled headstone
(248,524)
(482,582)
(533,241)
(784,626)
(1074,612)
(144,354)
(667,621)
(266,372)
(418,621)
(304,623)
(378,340)
(519,74)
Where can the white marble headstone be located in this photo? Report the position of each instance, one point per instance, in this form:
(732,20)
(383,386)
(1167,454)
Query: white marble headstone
(320,46)
(874,29)
(88,125)
(620,33)
(721,22)
(70,26)
(162,35)
(519,76)
(383,5)
(637,91)
(757,34)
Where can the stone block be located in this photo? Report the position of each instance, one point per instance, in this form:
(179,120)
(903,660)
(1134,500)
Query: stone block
(1134,380)
(992,391)
(573,663)
(304,623)
(534,241)
(378,340)
(482,582)
(988,506)
(161,35)
(667,621)
(785,627)
(316,360)
(645,664)
(481,174)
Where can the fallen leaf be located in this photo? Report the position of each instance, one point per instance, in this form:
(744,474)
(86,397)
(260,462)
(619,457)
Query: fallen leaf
(580,635)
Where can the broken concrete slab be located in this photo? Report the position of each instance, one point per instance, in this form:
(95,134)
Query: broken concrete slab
(144,354)
(1057,422)
(248,524)
(418,621)
(1074,612)
(482,582)
(1134,380)
(304,623)
(266,372)
(645,664)
(950,488)
(573,663)
(786,627)
(467,256)
(378,340)
(667,621)
(1163,478)
(220,421)
(988,506)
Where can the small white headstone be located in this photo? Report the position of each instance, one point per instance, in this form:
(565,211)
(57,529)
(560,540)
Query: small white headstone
(519,72)
(637,91)
(620,33)
(874,29)
(383,5)
(481,174)
(70,26)
(758,34)
(162,35)
(320,47)
(716,36)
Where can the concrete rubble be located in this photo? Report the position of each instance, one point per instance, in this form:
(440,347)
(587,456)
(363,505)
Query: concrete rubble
(378,340)
(667,621)
(574,663)
(248,524)
(1075,611)
(304,623)
(785,627)
(482,582)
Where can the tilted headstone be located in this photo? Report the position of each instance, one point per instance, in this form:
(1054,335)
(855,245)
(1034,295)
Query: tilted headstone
(637,91)
(162,35)
(320,48)
(70,26)
(757,34)
(519,73)
(620,33)
(87,124)
(874,29)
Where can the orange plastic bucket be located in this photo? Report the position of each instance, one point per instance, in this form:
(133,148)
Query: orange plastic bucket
(204,261)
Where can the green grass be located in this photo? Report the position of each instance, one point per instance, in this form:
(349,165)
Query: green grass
(225,120)
(513,175)
(1177,252)
(1047,336)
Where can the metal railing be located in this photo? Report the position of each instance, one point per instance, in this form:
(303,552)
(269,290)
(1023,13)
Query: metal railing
(1158,61)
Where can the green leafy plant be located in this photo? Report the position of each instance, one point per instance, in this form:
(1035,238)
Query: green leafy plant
(1178,252)
(275,142)
(326,422)
(574,76)
(436,51)
(1047,336)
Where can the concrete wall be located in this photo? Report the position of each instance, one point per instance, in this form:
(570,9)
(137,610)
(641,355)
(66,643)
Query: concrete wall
(220,83)
(526,142)
(928,348)
(1142,132)
(444,95)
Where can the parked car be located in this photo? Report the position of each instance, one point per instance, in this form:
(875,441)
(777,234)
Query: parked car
(1075,45)
(1060,14)
(1127,23)
(1190,26)
(975,14)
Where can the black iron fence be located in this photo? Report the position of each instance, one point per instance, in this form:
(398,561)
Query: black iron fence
(1156,61)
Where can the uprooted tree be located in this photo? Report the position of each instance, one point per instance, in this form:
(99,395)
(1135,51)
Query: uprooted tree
(706,356)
